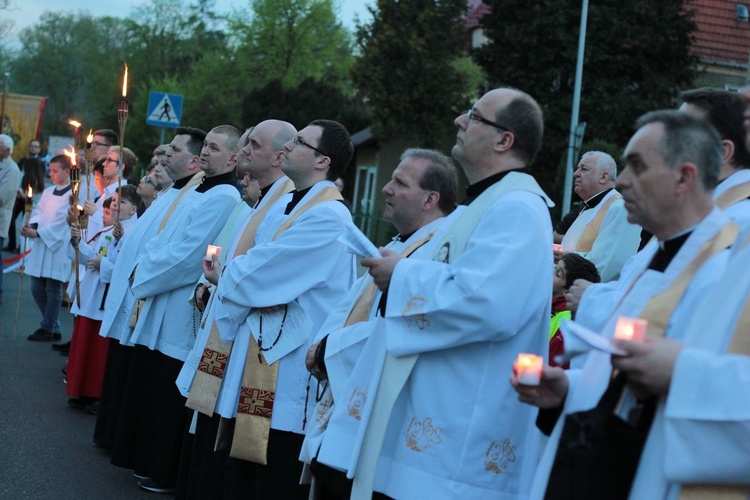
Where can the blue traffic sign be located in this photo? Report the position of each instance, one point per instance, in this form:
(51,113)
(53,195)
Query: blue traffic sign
(164,110)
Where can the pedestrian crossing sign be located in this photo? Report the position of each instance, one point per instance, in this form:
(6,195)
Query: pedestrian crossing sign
(164,110)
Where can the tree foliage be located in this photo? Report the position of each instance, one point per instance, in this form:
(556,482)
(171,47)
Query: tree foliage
(637,59)
(412,69)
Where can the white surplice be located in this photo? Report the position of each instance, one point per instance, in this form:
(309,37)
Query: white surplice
(333,427)
(602,304)
(701,433)
(118,307)
(49,257)
(616,242)
(171,263)
(306,264)
(740,211)
(457,429)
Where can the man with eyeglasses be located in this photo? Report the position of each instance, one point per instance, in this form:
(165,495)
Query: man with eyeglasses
(149,435)
(281,289)
(103,140)
(148,189)
(440,421)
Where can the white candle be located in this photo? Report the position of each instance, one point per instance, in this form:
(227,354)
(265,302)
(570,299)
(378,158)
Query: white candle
(529,369)
(631,329)
(211,251)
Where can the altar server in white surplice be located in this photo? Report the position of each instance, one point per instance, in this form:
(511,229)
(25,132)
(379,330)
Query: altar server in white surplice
(48,263)
(672,164)
(725,110)
(263,184)
(441,426)
(601,232)
(419,196)
(298,264)
(149,432)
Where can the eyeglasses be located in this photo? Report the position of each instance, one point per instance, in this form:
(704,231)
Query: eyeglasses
(110,160)
(149,180)
(298,140)
(96,144)
(477,118)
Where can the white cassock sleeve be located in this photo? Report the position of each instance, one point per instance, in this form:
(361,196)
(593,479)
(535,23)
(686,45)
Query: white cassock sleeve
(54,232)
(707,419)
(616,242)
(279,271)
(171,263)
(488,293)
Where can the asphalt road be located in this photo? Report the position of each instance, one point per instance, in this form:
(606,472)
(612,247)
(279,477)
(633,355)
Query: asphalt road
(46,450)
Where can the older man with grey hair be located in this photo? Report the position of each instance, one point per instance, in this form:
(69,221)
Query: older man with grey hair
(601,232)
(10,178)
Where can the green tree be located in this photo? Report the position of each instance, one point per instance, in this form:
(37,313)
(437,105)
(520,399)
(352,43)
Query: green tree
(637,59)
(412,70)
(291,40)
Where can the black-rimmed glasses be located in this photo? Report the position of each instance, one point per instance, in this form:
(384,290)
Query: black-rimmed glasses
(477,118)
(149,180)
(298,140)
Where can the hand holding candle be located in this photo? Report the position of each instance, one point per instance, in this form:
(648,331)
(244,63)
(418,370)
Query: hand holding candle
(211,251)
(633,329)
(528,369)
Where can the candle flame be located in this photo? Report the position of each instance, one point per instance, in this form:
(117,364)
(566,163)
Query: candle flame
(29,192)
(74,123)
(90,137)
(125,82)
(72,155)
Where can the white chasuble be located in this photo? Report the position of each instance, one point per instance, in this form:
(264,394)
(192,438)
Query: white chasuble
(457,429)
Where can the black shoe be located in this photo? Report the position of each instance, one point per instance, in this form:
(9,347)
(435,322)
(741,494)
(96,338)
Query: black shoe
(61,347)
(80,403)
(149,484)
(93,408)
(42,335)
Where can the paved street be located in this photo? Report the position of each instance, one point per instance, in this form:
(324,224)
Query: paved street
(46,449)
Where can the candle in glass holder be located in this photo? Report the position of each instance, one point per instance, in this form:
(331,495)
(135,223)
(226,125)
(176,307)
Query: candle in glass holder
(631,329)
(529,369)
(211,251)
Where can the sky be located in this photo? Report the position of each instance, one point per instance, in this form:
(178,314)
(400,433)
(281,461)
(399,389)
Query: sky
(26,12)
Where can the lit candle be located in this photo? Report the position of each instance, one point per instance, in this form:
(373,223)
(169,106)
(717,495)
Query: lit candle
(529,369)
(557,248)
(125,82)
(631,329)
(29,205)
(211,251)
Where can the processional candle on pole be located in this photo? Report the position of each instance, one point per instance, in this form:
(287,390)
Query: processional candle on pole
(75,180)
(122,119)
(88,155)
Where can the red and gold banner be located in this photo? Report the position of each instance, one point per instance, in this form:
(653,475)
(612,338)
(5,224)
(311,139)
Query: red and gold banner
(23,121)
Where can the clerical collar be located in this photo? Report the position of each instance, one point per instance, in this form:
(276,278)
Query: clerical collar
(668,249)
(296,197)
(217,180)
(264,191)
(403,237)
(181,183)
(595,200)
(61,191)
(473,191)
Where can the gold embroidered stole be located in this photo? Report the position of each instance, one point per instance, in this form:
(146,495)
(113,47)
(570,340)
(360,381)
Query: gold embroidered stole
(255,407)
(591,231)
(204,390)
(361,310)
(194,181)
(659,309)
(733,195)
(740,344)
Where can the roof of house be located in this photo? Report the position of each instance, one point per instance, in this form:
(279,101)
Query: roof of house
(721,37)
